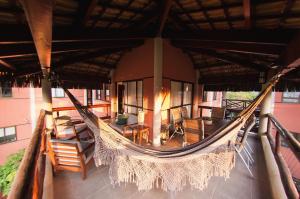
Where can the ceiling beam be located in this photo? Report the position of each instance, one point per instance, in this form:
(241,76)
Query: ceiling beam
(207,66)
(226,13)
(285,12)
(9,50)
(39,17)
(274,37)
(7,65)
(251,48)
(195,9)
(234,60)
(84,11)
(81,58)
(247,13)
(101,64)
(187,14)
(166,7)
(21,34)
(205,14)
(242,18)
(290,57)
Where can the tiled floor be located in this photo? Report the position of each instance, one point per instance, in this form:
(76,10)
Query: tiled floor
(240,185)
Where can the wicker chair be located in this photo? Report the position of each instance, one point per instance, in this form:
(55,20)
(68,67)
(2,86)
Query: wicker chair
(177,122)
(193,130)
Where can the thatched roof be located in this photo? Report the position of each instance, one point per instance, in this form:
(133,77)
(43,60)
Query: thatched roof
(233,43)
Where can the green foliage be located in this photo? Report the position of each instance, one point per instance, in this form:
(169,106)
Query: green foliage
(9,170)
(241,95)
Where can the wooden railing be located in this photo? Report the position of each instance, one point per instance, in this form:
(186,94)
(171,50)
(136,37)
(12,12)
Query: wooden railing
(29,180)
(235,104)
(294,145)
(57,110)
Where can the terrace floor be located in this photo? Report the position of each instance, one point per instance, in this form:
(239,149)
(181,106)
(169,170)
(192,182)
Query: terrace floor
(68,185)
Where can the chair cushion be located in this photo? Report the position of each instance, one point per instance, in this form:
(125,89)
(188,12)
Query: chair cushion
(62,120)
(67,131)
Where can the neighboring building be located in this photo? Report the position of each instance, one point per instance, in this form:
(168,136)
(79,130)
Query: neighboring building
(20,108)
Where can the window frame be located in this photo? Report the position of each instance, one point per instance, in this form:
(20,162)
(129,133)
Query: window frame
(204,96)
(289,102)
(182,104)
(8,140)
(103,96)
(126,105)
(56,96)
(215,95)
(6,86)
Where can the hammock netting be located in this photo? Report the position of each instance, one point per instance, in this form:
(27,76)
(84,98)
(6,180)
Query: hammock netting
(169,170)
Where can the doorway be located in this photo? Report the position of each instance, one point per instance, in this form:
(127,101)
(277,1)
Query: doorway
(121,89)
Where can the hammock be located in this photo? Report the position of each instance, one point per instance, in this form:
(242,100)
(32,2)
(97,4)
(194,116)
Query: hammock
(169,170)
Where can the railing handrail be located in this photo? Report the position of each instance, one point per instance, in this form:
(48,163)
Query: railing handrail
(24,182)
(285,173)
(240,100)
(70,108)
(286,135)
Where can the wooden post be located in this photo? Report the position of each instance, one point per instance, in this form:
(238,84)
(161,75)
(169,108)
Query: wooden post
(196,95)
(113,98)
(265,109)
(158,64)
(39,17)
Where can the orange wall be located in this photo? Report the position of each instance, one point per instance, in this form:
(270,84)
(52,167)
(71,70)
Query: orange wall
(288,114)
(176,64)
(136,64)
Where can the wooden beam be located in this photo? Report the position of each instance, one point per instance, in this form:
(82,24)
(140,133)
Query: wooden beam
(187,14)
(290,57)
(194,9)
(251,48)
(276,37)
(205,14)
(164,15)
(224,57)
(39,17)
(84,11)
(247,13)
(15,50)
(100,64)
(7,65)
(120,13)
(285,12)
(226,13)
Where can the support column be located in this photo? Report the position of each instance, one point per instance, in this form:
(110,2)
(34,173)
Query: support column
(266,107)
(196,95)
(47,99)
(39,17)
(157,87)
(113,98)
(32,107)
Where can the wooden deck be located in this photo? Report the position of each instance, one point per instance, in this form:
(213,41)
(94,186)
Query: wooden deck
(68,185)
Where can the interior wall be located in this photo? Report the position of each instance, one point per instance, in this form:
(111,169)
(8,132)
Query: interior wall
(139,64)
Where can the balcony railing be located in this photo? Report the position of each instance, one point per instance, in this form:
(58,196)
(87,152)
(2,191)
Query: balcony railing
(282,134)
(29,180)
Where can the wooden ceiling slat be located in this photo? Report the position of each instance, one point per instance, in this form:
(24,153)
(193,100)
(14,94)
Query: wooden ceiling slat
(163,16)
(205,14)
(227,58)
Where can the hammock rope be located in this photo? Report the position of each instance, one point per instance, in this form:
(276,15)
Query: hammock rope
(172,169)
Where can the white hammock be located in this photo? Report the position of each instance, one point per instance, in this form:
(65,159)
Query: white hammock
(170,170)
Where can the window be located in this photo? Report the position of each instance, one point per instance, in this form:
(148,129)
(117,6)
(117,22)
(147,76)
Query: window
(8,134)
(204,96)
(181,95)
(58,92)
(214,95)
(133,96)
(104,93)
(6,90)
(291,97)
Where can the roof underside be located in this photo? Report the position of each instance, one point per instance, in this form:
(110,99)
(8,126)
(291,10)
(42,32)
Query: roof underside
(233,43)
